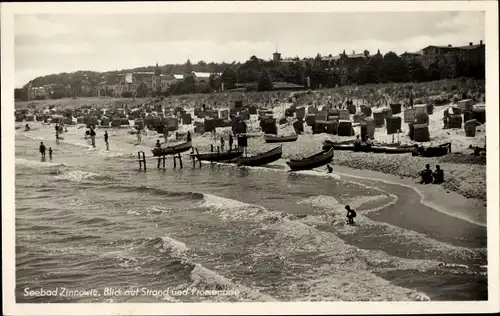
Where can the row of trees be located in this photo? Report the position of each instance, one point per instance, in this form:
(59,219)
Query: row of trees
(258,74)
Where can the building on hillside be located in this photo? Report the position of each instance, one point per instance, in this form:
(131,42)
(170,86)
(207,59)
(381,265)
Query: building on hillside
(451,54)
(102,89)
(201,77)
(166,81)
(161,82)
(35,93)
(474,53)
(411,57)
(144,77)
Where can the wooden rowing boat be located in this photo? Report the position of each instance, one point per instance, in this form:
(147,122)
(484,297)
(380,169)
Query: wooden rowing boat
(170,150)
(261,159)
(219,156)
(311,162)
(280,139)
(386,149)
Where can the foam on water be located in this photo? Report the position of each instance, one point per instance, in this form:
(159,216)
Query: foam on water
(345,287)
(342,262)
(79,176)
(331,203)
(38,164)
(294,237)
(204,278)
(176,246)
(319,174)
(229,209)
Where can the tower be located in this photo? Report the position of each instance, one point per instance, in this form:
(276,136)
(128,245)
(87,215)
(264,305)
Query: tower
(157,79)
(276,57)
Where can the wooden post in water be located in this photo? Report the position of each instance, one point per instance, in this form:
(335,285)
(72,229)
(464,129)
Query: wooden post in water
(180,159)
(139,159)
(211,148)
(144,160)
(193,157)
(198,156)
(159,160)
(164,161)
(173,155)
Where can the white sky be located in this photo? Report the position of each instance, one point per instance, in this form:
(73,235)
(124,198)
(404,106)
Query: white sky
(46,44)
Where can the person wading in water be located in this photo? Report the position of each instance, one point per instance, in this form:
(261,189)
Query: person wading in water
(329,169)
(42,150)
(92,136)
(350,214)
(106,139)
(50,153)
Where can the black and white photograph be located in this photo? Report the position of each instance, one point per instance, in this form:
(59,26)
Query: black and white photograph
(259,152)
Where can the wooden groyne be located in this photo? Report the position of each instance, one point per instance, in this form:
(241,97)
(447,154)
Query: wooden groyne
(162,160)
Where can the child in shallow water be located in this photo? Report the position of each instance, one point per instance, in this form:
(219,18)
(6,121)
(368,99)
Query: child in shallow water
(350,214)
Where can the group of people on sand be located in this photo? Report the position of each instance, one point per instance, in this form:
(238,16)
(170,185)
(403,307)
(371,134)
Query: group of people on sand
(359,143)
(428,176)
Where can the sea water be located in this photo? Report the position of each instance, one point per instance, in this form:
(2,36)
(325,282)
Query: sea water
(92,226)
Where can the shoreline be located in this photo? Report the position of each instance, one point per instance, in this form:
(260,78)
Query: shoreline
(393,169)
(432,196)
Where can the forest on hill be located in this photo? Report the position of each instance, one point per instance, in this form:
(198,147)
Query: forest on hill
(259,74)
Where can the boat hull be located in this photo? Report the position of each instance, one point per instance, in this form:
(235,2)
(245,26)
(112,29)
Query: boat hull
(262,159)
(170,150)
(280,139)
(373,149)
(218,157)
(311,162)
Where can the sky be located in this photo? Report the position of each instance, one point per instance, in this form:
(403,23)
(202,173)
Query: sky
(46,44)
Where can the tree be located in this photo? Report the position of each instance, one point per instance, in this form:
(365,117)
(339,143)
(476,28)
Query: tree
(417,72)
(229,78)
(265,83)
(142,90)
(202,66)
(434,73)
(190,84)
(393,68)
(188,67)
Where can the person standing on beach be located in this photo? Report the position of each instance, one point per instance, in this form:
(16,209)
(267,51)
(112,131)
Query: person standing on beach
(230,142)
(106,139)
(42,150)
(222,143)
(189,136)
